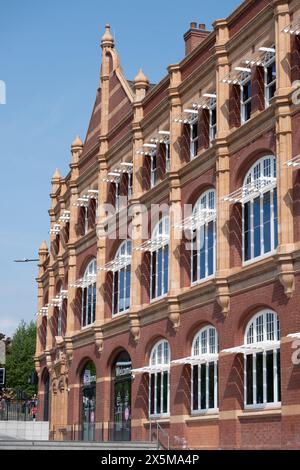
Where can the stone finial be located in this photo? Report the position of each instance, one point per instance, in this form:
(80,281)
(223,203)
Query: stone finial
(77,143)
(43,248)
(56,176)
(141,81)
(107,38)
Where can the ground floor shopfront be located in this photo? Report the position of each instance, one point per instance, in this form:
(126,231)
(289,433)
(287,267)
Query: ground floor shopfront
(218,382)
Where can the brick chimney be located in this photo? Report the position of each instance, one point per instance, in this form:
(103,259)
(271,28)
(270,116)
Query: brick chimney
(194,36)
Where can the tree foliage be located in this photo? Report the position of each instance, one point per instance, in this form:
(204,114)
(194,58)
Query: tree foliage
(19,361)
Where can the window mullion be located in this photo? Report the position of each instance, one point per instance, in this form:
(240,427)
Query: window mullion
(262,241)
(206,249)
(275,373)
(252,227)
(199,387)
(155,393)
(272,219)
(245,380)
(215,384)
(207,385)
(243,232)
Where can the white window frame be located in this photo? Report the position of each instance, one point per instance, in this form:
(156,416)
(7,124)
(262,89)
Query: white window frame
(89,289)
(86,219)
(117,195)
(124,251)
(161,230)
(252,176)
(194,141)
(212,127)
(160,360)
(206,201)
(270,60)
(203,344)
(253,334)
(245,81)
(130,184)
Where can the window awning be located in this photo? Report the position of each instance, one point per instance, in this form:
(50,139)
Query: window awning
(253,348)
(83,201)
(85,282)
(153,244)
(255,188)
(294,335)
(152,369)
(148,149)
(294,162)
(65,217)
(264,56)
(197,220)
(116,264)
(43,312)
(293,28)
(59,298)
(237,76)
(197,360)
(162,137)
(207,101)
(188,116)
(55,229)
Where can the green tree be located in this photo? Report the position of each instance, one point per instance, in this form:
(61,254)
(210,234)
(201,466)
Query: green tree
(19,361)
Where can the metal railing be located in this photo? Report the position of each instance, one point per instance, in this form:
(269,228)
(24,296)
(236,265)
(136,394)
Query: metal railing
(15,411)
(160,431)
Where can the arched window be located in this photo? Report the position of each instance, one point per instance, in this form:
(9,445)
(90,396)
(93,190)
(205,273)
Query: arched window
(262,368)
(88,393)
(88,312)
(160,259)
(122,278)
(204,237)
(159,379)
(205,373)
(260,226)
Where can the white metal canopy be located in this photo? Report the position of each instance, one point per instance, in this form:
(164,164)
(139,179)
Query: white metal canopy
(256,187)
(65,217)
(253,347)
(85,282)
(55,229)
(58,299)
(294,162)
(152,369)
(188,116)
(154,243)
(293,28)
(43,311)
(118,263)
(197,360)
(197,220)
(207,101)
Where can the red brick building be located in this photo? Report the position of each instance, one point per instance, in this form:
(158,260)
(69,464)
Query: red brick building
(170,293)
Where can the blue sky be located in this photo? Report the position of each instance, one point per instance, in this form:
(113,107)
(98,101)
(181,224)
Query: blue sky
(50,61)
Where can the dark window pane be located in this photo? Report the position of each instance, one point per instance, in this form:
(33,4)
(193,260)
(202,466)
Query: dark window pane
(94,303)
(202,251)
(270,376)
(122,291)
(116,282)
(259,378)
(247,234)
(275,218)
(211,385)
(159,271)
(195,388)
(152,392)
(128,277)
(279,375)
(194,257)
(256,222)
(267,222)
(158,393)
(211,231)
(249,379)
(153,275)
(203,386)
(84,295)
(166,269)
(165,392)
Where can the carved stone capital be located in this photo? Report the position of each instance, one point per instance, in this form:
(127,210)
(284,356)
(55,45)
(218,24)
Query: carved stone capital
(286,273)
(135,327)
(98,338)
(174,313)
(223,295)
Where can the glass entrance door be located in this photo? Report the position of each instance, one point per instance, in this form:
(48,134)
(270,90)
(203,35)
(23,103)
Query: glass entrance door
(88,413)
(122,400)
